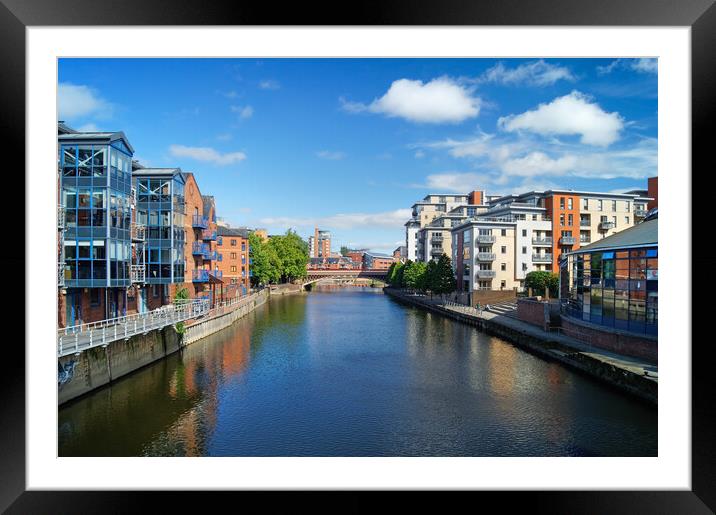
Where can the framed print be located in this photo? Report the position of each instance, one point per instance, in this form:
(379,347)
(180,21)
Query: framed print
(416,249)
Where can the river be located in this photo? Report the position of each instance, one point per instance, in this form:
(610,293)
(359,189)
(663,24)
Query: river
(351,372)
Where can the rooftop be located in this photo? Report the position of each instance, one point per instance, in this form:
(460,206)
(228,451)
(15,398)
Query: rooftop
(232,231)
(640,235)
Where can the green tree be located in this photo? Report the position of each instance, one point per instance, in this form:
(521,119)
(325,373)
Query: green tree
(443,278)
(265,263)
(399,276)
(181,295)
(292,251)
(344,250)
(541,280)
(415,275)
(431,276)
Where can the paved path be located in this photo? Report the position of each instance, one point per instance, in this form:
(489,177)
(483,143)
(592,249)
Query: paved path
(506,315)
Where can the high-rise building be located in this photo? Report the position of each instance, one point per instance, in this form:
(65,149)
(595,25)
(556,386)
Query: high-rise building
(319,245)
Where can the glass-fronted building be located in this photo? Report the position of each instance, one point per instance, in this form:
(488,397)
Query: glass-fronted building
(161,209)
(94,215)
(615,281)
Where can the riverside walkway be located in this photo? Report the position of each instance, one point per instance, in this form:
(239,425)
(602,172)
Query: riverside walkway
(78,338)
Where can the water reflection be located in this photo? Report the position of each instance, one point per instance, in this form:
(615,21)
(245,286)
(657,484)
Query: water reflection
(350,372)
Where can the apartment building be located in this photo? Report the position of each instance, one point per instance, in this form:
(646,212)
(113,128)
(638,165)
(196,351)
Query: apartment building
(426,211)
(375,261)
(579,217)
(319,245)
(159,256)
(94,225)
(233,247)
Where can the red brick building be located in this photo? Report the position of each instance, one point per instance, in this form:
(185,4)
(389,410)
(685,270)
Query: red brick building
(233,246)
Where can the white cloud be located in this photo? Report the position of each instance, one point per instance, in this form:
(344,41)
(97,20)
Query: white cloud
(419,154)
(441,100)
(568,115)
(269,84)
(539,163)
(388,219)
(224,137)
(641,65)
(230,94)
(332,156)
(536,73)
(243,111)
(456,181)
(76,101)
(88,127)
(206,154)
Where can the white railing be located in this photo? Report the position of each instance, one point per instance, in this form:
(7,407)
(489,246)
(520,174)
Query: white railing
(61,274)
(138,231)
(138,274)
(75,339)
(60,217)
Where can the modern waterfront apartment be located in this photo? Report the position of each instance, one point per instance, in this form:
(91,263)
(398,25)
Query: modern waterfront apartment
(129,237)
(319,245)
(94,225)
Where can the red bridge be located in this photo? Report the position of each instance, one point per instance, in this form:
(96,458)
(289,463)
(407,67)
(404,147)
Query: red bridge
(325,273)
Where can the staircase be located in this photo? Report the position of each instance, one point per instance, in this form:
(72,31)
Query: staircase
(505,308)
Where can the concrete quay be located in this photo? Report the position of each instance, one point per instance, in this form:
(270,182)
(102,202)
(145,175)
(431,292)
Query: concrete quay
(634,376)
(80,373)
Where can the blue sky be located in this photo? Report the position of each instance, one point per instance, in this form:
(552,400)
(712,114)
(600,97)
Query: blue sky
(350,144)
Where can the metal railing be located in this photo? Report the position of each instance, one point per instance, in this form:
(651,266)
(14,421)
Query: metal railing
(61,267)
(541,258)
(199,221)
(486,274)
(199,248)
(542,241)
(640,212)
(606,225)
(60,217)
(75,339)
(217,273)
(138,274)
(585,223)
(139,231)
(485,238)
(567,240)
(199,276)
(485,256)
(208,235)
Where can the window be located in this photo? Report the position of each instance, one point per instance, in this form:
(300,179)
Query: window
(561,220)
(95,297)
(570,220)
(614,205)
(233,243)
(155,290)
(233,268)
(626,220)
(504,232)
(524,266)
(569,203)
(503,267)
(599,205)
(503,249)
(233,255)
(524,250)
(628,206)
(524,233)
(503,284)
(561,203)
(585,203)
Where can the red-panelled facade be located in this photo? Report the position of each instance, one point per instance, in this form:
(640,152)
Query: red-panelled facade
(233,246)
(563,209)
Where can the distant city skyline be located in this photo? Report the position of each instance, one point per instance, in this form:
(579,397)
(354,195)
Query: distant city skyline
(349,145)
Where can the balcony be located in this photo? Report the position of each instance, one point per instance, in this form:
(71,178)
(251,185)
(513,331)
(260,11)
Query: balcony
(436,239)
(219,240)
(216,273)
(640,213)
(585,223)
(437,251)
(208,235)
(139,232)
(211,255)
(485,256)
(605,226)
(200,249)
(485,238)
(199,222)
(200,276)
(133,198)
(567,240)
(60,217)
(541,258)
(585,241)
(542,241)
(486,274)
(138,274)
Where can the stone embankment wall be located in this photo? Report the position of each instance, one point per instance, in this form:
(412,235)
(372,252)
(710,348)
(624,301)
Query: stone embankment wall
(547,348)
(98,366)
(617,341)
(283,289)
(534,312)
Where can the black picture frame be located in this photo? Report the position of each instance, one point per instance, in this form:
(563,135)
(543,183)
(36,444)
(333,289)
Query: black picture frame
(700,15)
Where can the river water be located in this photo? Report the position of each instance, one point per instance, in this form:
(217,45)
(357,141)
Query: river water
(351,372)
